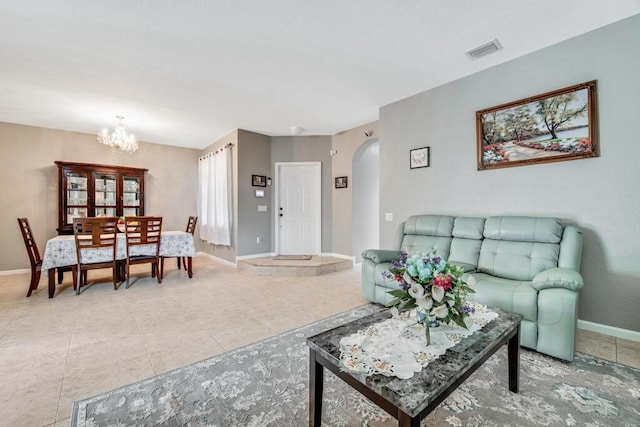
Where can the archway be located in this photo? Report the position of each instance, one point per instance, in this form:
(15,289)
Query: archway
(366,197)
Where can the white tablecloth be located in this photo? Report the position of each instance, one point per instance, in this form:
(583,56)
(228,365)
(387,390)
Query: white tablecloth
(397,347)
(61,250)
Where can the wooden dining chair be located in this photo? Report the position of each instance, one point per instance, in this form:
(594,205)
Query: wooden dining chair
(95,239)
(34,254)
(35,259)
(191,228)
(142,235)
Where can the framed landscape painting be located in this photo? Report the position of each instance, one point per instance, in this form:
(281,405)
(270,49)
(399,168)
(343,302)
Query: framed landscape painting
(552,127)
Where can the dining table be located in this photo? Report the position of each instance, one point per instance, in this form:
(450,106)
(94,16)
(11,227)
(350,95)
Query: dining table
(61,252)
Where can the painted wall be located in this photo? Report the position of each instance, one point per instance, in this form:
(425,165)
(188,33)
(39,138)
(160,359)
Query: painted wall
(599,195)
(346,144)
(29,182)
(307,149)
(227,253)
(254,151)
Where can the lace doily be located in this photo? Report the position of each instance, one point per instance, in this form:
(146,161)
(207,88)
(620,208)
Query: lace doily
(397,347)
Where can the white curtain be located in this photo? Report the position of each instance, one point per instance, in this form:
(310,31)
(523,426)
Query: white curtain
(216,181)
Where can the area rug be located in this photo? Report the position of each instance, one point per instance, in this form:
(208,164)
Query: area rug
(266,384)
(292,257)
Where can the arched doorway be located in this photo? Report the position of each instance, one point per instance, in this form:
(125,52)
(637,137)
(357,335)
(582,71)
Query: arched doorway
(366,198)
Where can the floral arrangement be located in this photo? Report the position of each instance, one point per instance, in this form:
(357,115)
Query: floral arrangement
(432,286)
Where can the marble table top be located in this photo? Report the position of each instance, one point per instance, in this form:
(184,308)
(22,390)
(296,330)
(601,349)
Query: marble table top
(414,394)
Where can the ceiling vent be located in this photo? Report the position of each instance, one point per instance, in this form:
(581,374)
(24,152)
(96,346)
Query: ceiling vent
(484,50)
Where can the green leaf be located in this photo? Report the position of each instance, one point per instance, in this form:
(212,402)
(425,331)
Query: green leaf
(400,294)
(460,321)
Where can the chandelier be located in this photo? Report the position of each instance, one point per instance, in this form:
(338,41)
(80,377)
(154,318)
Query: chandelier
(118,139)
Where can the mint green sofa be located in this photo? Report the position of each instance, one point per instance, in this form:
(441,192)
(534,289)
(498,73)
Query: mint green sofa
(529,265)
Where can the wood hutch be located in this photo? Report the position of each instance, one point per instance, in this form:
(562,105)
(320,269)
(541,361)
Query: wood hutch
(87,190)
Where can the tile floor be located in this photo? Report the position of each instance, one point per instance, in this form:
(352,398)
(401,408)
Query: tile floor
(53,352)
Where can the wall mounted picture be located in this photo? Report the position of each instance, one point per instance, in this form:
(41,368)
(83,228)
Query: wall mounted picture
(341,182)
(258,180)
(551,127)
(419,157)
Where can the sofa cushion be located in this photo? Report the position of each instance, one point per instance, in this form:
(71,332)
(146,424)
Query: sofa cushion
(412,244)
(517,260)
(523,229)
(512,295)
(468,228)
(429,225)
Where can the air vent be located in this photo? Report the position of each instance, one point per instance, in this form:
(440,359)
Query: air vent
(484,50)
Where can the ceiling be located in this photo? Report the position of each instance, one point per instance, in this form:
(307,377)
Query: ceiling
(188,72)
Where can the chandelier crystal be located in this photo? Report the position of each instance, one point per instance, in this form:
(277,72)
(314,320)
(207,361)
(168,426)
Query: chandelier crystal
(118,139)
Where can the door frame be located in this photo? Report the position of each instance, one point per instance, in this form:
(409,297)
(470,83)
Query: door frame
(276,205)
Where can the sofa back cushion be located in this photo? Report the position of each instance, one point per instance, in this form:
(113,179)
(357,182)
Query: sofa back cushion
(518,248)
(426,233)
(467,239)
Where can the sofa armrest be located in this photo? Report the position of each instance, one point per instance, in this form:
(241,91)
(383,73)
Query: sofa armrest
(558,278)
(381,255)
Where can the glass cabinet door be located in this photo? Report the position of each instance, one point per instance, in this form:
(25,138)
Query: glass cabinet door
(76,195)
(131,196)
(106,200)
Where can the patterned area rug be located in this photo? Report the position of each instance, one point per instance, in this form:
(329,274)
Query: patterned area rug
(266,384)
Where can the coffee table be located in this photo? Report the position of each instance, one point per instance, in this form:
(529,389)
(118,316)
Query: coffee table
(411,400)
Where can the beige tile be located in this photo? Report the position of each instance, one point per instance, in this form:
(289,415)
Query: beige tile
(599,345)
(35,404)
(628,352)
(171,350)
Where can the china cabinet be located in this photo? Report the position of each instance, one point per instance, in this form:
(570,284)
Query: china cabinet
(87,189)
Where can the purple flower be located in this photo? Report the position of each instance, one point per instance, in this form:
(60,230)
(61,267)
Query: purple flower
(467,310)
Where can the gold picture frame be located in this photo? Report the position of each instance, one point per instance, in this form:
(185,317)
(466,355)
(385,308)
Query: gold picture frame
(551,127)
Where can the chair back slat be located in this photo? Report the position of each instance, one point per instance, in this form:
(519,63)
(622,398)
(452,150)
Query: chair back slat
(143,230)
(191,224)
(95,233)
(29,241)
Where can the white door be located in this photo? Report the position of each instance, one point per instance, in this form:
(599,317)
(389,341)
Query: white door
(298,208)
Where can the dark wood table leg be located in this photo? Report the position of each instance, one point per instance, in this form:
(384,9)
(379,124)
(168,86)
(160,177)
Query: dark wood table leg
(316,378)
(52,282)
(514,361)
(405,420)
(189,265)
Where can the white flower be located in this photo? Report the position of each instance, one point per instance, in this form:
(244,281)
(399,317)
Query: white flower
(440,311)
(416,290)
(407,278)
(438,293)
(424,302)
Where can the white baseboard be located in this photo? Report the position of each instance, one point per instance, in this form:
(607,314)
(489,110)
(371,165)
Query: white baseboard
(10,272)
(217,259)
(357,266)
(244,257)
(350,258)
(625,334)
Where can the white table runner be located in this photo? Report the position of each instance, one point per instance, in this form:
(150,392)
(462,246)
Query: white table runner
(397,347)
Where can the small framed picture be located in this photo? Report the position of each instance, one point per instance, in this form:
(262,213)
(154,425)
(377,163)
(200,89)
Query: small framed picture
(259,193)
(341,182)
(258,180)
(419,158)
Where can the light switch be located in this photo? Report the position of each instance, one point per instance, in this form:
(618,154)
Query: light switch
(262,208)
(388,217)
